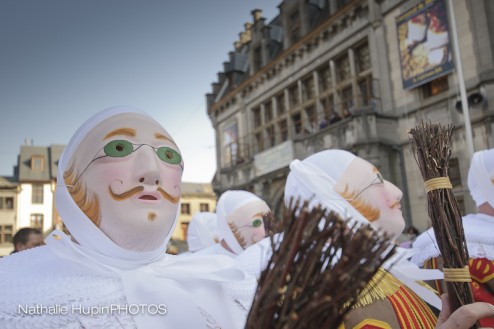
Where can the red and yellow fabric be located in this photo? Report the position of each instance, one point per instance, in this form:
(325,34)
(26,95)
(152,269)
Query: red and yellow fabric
(482,274)
(390,305)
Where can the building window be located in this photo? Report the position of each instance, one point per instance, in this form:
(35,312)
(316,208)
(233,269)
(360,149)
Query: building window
(435,87)
(346,100)
(308,89)
(283,128)
(37,221)
(293,95)
(204,207)
(342,66)
(259,142)
(311,120)
(257,58)
(37,163)
(270,136)
(324,78)
(365,89)
(37,193)
(7,203)
(297,122)
(185,208)
(280,103)
(185,227)
(257,116)
(294,26)
(268,112)
(342,3)
(362,58)
(6,233)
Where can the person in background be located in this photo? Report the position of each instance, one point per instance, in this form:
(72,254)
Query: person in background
(240,223)
(478,230)
(354,188)
(27,238)
(202,231)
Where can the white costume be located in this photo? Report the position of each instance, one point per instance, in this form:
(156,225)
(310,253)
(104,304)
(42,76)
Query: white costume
(240,224)
(202,231)
(478,227)
(59,285)
(314,179)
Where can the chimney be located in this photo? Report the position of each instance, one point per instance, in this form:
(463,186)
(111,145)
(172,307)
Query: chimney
(256,14)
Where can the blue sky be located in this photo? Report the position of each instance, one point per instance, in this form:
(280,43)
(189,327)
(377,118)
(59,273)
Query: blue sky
(63,60)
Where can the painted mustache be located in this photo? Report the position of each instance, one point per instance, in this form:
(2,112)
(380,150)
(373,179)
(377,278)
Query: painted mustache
(138,189)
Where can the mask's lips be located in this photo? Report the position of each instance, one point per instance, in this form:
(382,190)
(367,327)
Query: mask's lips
(150,196)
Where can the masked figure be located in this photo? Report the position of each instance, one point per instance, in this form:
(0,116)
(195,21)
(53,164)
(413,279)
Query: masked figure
(355,189)
(202,231)
(240,222)
(118,191)
(478,233)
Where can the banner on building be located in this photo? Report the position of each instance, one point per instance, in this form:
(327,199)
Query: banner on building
(274,158)
(230,144)
(424,43)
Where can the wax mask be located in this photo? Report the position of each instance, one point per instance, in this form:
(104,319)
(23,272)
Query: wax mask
(246,222)
(375,198)
(126,177)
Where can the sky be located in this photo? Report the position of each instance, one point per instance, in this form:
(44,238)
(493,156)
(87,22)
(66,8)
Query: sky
(61,61)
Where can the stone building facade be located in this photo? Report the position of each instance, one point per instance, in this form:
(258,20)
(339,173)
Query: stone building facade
(9,189)
(329,74)
(195,197)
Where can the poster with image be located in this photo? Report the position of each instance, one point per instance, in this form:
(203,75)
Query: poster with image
(424,43)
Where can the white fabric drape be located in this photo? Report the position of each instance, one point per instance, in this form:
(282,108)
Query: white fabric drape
(478,230)
(202,231)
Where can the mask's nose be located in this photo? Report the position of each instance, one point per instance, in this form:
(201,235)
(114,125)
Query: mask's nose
(147,166)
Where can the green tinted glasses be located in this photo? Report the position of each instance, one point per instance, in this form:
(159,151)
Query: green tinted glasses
(257,222)
(122,148)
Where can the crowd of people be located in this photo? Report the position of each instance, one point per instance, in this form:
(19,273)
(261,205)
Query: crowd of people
(118,193)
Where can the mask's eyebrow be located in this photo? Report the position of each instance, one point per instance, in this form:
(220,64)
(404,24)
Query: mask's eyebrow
(121,131)
(163,137)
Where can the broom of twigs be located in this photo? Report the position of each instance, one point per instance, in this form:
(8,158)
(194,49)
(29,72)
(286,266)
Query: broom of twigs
(319,266)
(431,145)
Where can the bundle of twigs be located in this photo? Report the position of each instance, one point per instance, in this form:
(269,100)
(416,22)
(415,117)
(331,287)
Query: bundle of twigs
(318,267)
(431,145)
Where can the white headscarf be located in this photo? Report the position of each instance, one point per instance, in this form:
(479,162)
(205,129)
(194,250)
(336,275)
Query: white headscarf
(228,202)
(148,277)
(84,231)
(202,231)
(314,178)
(480,177)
